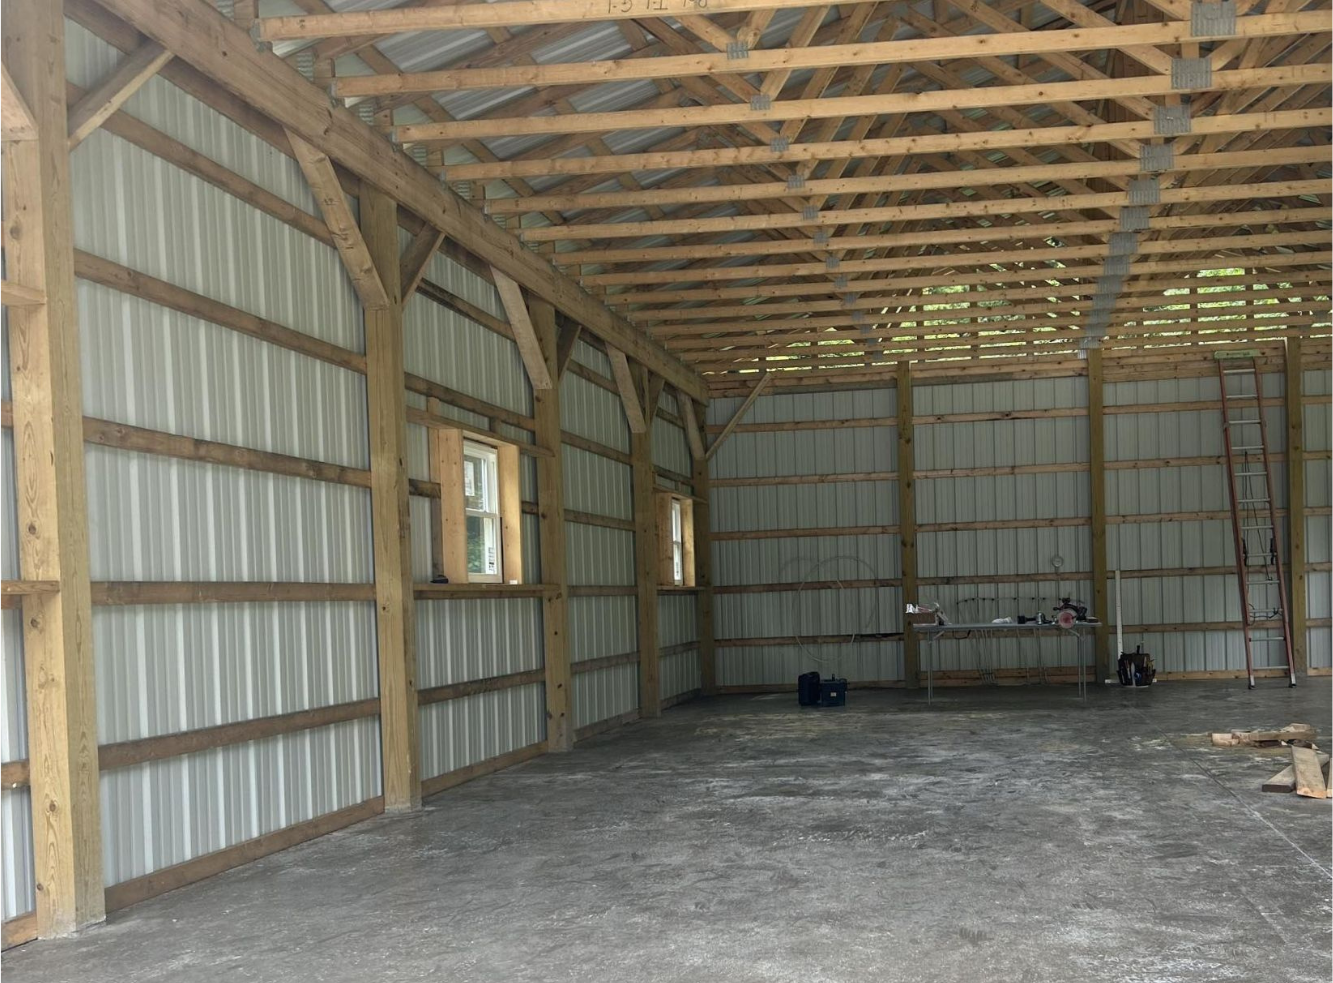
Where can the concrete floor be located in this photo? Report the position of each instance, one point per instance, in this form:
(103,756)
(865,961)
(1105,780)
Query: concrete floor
(999,835)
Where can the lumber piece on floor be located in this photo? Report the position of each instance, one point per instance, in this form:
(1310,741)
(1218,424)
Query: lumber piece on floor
(1285,780)
(1255,738)
(1310,780)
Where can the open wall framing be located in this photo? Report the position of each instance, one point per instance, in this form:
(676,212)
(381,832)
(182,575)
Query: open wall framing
(238,680)
(808,524)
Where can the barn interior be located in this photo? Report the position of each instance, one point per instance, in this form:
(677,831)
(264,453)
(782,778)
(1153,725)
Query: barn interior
(754,490)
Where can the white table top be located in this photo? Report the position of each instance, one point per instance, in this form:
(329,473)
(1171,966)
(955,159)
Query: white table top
(1003,626)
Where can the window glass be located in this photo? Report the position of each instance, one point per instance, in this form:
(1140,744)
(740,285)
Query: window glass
(677,543)
(481,505)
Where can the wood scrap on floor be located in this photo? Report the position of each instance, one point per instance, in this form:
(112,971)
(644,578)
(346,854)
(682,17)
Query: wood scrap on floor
(1311,781)
(1285,780)
(1267,738)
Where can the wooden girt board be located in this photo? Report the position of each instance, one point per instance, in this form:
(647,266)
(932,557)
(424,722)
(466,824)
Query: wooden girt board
(789,59)
(537,164)
(196,33)
(515,13)
(920,102)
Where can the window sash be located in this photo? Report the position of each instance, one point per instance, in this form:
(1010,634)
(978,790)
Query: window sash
(481,495)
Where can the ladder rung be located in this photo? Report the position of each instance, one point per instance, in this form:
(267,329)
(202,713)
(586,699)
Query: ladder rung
(1237,371)
(1254,447)
(1232,423)
(1284,668)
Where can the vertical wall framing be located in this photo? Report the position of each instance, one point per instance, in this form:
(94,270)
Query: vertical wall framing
(183,365)
(52,542)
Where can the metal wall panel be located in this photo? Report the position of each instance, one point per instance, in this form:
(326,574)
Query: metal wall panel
(605,693)
(680,673)
(138,210)
(160,518)
(597,484)
(750,508)
(764,665)
(18,887)
(1000,443)
(163,669)
(602,626)
(458,640)
(999,397)
(149,366)
(992,552)
(588,410)
(458,733)
(670,449)
(1005,497)
(598,556)
(849,450)
(677,619)
(9,558)
(792,560)
(445,347)
(165,812)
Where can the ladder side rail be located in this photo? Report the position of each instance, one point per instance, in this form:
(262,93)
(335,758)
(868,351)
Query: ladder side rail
(1235,522)
(1285,612)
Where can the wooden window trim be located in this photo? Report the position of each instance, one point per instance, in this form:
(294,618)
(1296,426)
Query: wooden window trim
(665,542)
(446,450)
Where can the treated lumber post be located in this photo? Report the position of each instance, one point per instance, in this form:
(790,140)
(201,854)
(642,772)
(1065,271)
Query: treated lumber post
(1105,659)
(395,620)
(645,553)
(907,520)
(51,490)
(551,522)
(1296,505)
(703,556)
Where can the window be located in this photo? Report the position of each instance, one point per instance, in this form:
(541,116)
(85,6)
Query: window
(675,539)
(481,504)
(677,544)
(477,529)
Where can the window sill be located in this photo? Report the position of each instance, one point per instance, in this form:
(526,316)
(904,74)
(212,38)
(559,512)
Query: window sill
(677,589)
(462,592)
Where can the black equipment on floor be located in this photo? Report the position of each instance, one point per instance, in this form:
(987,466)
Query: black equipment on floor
(1136,668)
(813,691)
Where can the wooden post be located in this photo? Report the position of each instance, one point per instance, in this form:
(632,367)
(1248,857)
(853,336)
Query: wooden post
(907,520)
(51,489)
(645,558)
(551,520)
(1105,660)
(703,565)
(395,621)
(1296,505)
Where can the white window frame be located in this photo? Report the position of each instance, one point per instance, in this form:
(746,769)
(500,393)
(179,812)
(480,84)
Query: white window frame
(677,542)
(490,479)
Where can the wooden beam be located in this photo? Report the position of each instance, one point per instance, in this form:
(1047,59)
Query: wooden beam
(534,359)
(50,487)
(629,393)
(1295,467)
(551,524)
(693,435)
(214,46)
(877,53)
(515,13)
(907,530)
(347,237)
(703,555)
(933,100)
(395,616)
(564,346)
(644,482)
(114,91)
(16,122)
(763,382)
(1101,609)
(940,143)
(417,257)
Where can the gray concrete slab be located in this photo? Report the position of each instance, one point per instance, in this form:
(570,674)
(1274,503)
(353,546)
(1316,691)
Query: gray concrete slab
(1007,835)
